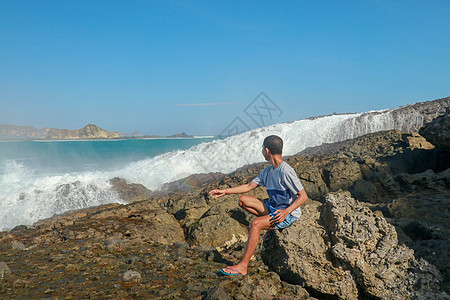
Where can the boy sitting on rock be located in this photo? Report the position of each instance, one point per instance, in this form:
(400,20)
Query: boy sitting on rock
(286,195)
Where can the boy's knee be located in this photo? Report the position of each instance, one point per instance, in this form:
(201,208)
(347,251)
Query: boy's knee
(241,200)
(257,224)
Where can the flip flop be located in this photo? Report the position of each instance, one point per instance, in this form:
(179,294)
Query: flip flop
(230,274)
(267,235)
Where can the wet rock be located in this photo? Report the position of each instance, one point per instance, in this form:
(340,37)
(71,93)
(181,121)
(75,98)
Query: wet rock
(19,228)
(192,182)
(217,293)
(130,192)
(132,275)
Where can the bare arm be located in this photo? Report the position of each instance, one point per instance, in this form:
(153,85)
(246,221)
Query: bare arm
(235,190)
(302,197)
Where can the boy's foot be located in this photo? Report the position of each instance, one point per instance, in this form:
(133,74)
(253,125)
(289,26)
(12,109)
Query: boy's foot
(229,271)
(268,235)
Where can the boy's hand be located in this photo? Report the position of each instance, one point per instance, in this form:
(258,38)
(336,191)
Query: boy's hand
(217,193)
(280,215)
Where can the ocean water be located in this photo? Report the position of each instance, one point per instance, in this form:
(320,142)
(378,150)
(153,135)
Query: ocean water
(41,178)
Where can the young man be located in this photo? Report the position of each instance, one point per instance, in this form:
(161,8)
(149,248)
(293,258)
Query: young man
(286,195)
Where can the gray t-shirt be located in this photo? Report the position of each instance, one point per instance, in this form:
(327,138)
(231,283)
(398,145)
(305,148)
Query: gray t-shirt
(282,185)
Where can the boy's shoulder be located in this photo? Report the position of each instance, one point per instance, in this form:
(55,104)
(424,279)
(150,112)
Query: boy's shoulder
(286,167)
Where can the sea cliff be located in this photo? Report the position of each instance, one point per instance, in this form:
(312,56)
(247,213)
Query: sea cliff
(375,227)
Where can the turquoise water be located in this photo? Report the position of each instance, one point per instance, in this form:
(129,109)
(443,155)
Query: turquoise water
(56,157)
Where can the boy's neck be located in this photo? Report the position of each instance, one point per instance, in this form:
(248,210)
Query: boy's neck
(276,160)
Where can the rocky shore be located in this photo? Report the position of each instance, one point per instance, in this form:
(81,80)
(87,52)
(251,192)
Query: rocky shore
(376,226)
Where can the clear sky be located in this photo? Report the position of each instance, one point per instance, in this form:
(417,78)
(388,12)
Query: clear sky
(163,67)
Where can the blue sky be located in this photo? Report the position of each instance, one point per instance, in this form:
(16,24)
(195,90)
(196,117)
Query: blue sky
(163,67)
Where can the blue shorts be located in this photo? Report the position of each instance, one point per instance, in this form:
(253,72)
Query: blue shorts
(286,223)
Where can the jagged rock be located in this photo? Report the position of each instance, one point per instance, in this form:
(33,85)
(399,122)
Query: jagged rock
(341,173)
(438,131)
(299,254)
(188,210)
(311,176)
(342,248)
(130,192)
(368,246)
(416,141)
(139,221)
(192,182)
(217,227)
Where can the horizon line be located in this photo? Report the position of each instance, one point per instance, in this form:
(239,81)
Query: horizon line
(204,104)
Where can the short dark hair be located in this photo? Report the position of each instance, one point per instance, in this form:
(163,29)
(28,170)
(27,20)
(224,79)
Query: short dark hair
(274,143)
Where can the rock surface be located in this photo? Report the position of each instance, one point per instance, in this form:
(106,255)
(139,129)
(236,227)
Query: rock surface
(179,238)
(343,249)
(437,132)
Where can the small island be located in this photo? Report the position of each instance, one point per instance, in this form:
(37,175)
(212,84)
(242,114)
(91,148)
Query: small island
(88,132)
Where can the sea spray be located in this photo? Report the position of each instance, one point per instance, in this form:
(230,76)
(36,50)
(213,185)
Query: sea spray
(228,154)
(28,196)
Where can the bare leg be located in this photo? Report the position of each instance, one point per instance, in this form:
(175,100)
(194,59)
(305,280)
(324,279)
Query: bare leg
(253,205)
(258,224)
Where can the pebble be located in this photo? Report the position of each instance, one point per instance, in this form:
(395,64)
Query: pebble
(18,246)
(132,275)
(4,270)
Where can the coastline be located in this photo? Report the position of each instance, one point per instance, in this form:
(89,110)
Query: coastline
(366,231)
(168,244)
(108,139)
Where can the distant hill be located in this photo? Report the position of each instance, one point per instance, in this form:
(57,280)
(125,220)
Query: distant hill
(90,131)
(22,132)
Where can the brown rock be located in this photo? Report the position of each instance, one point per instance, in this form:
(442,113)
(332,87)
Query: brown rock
(354,249)
(217,227)
(130,192)
(299,254)
(341,173)
(437,131)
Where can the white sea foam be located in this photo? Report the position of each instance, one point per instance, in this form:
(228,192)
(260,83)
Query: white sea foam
(26,197)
